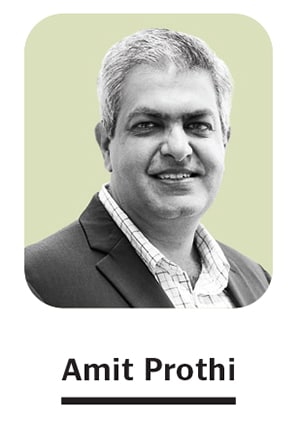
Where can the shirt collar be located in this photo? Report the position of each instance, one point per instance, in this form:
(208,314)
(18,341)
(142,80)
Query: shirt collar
(150,255)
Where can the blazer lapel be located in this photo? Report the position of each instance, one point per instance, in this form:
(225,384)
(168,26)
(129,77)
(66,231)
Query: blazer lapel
(120,264)
(245,285)
(239,294)
(126,271)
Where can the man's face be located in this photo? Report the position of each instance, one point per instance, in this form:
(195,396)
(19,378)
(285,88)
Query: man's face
(167,153)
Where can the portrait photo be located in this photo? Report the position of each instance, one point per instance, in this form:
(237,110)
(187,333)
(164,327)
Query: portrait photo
(148,161)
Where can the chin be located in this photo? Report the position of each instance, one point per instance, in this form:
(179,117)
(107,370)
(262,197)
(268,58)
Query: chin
(177,210)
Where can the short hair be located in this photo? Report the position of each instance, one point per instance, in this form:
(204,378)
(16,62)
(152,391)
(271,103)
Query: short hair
(159,47)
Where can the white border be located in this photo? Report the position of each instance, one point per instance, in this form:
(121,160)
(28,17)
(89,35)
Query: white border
(37,340)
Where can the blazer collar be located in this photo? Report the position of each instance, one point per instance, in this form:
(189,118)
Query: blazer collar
(100,230)
(132,278)
(245,283)
(120,263)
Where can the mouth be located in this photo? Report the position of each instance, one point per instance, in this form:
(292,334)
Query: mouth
(175,175)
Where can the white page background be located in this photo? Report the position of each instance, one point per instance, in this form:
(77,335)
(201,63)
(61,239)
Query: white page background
(37,340)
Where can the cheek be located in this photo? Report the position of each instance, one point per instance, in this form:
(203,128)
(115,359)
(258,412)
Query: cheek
(126,163)
(137,155)
(213,158)
(119,156)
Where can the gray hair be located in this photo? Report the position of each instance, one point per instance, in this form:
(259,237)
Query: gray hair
(158,47)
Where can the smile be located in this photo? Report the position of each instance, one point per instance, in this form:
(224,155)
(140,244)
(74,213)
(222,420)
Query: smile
(177,176)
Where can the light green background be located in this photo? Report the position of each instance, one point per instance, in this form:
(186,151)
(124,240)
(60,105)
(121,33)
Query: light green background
(63,165)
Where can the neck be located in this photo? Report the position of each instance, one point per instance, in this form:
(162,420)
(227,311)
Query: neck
(175,240)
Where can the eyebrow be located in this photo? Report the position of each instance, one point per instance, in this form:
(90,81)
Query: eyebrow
(145,110)
(154,113)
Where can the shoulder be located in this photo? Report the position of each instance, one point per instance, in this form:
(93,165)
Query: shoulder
(60,267)
(63,269)
(73,244)
(248,281)
(63,244)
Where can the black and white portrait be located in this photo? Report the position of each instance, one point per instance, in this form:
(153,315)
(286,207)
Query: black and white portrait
(164,131)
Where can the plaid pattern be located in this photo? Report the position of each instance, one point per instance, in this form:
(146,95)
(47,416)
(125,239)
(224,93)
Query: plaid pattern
(208,291)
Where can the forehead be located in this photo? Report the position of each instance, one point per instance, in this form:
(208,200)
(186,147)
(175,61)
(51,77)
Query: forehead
(168,90)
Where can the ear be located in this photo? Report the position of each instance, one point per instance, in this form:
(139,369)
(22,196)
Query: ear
(227,137)
(104,143)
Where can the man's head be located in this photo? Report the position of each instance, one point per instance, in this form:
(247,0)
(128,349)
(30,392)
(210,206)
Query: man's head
(159,48)
(165,100)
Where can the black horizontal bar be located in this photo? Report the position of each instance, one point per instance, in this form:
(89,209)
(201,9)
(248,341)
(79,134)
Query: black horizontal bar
(148,400)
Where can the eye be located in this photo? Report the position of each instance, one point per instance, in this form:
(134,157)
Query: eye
(144,128)
(199,128)
(144,125)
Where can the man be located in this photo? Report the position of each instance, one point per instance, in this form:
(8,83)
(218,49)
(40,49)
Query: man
(165,100)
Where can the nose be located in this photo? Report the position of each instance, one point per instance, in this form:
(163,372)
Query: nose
(176,144)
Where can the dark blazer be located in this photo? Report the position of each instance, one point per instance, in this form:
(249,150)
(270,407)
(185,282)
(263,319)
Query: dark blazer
(90,263)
